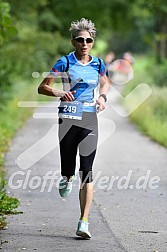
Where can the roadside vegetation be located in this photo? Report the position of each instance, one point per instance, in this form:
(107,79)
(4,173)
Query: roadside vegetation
(151,116)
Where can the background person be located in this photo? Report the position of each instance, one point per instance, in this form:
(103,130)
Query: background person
(128,57)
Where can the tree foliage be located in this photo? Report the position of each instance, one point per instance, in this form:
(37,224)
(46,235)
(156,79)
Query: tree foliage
(7,28)
(43,31)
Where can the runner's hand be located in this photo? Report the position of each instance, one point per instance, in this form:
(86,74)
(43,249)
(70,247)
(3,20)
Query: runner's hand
(68,96)
(101,104)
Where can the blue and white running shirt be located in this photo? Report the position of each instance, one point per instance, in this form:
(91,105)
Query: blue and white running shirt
(83,78)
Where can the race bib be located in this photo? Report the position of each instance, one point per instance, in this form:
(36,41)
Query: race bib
(71,110)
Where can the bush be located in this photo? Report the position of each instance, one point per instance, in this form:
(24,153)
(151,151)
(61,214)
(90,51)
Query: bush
(158,73)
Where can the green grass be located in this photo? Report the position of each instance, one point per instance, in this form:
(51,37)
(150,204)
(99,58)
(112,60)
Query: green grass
(12,119)
(151,116)
(7,204)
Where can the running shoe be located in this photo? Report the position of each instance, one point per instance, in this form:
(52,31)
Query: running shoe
(65,186)
(82,229)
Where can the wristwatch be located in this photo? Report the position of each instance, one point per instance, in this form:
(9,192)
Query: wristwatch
(104,96)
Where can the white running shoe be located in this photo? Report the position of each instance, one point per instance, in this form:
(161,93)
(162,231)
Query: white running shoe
(82,230)
(65,186)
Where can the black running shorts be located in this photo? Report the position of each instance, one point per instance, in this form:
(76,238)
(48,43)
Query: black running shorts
(79,135)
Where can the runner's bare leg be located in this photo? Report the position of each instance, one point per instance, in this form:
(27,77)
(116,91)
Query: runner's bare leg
(86,197)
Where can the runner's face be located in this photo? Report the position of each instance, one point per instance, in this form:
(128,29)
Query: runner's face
(82,48)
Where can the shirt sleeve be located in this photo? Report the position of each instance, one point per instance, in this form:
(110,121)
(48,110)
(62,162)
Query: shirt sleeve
(102,71)
(59,67)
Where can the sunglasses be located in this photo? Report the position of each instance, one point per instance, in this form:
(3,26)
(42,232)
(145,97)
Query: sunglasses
(82,40)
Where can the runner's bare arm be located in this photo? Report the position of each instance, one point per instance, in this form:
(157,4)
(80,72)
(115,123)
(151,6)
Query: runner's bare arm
(46,89)
(104,87)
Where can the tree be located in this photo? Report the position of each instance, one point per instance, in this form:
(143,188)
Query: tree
(7,28)
(154,13)
(159,11)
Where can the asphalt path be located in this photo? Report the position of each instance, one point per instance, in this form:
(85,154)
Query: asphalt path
(129,211)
